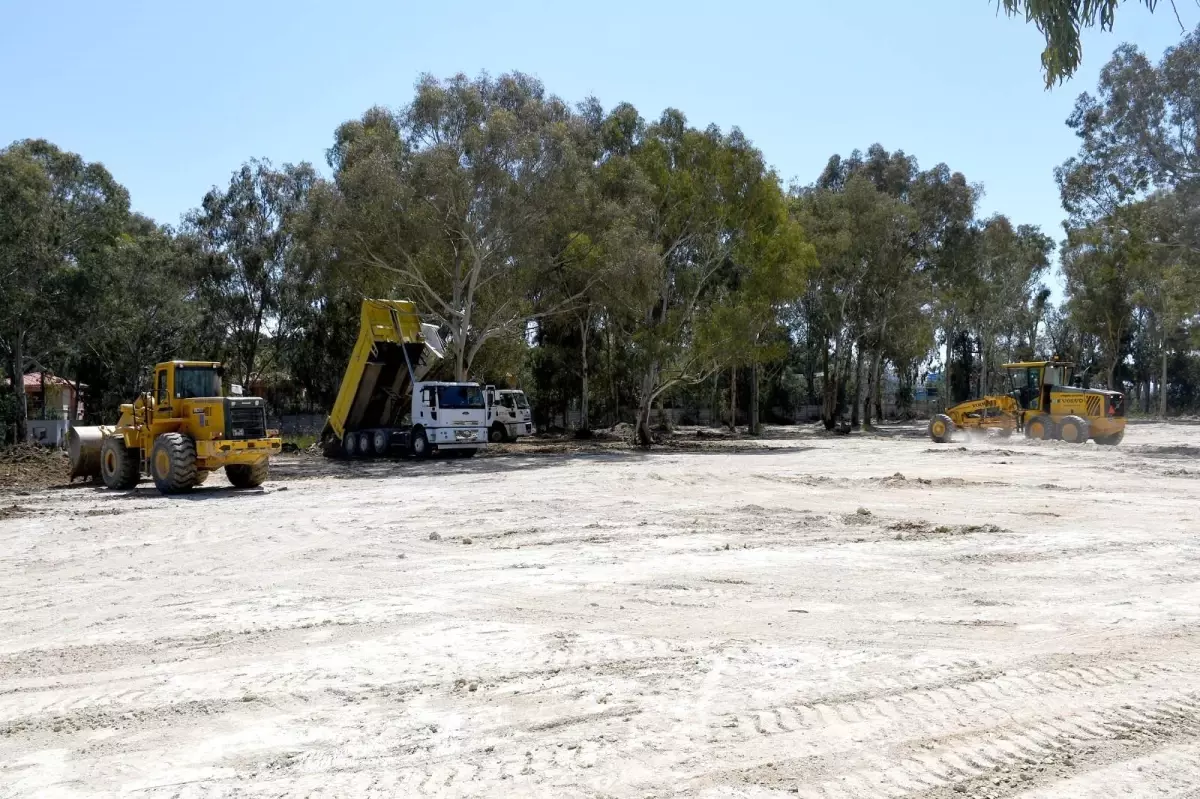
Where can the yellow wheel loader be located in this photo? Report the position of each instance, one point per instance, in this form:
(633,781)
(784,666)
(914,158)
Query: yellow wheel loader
(1043,405)
(179,433)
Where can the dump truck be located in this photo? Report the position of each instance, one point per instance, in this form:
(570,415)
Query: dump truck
(384,406)
(181,431)
(1043,405)
(509,416)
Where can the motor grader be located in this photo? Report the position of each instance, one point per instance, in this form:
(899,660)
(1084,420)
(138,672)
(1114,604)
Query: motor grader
(1043,404)
(181,431)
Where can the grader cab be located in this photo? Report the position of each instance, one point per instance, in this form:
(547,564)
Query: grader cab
(1042,403)
(179,432)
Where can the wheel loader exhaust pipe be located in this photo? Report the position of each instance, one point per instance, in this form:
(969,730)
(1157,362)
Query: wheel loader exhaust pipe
(83,444)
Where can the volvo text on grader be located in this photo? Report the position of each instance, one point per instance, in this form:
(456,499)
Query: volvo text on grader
(1043,405)
(179,433)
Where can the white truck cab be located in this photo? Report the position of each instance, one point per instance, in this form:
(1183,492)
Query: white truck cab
(509,416)
(448,417)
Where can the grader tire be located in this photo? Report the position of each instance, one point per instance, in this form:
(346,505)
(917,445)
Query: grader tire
(941,427)
(119,466)
(1074,430)
(1039,428)
(248,475)
(173,463)
(1111,440)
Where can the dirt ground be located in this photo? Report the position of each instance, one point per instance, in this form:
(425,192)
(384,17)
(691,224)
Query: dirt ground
(814,616)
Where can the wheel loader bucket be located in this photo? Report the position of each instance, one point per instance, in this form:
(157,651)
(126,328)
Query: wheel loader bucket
(84,443)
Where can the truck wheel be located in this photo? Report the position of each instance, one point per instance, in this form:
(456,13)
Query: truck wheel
(364,445)
(381,442)
(243,475)
(1039,428)
(498,434)
(420,444)
(350,444)
(1111,440)
(119,466)
(173,463)
(941,427)
(1073,430)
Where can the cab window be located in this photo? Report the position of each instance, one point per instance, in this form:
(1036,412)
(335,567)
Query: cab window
(193,382)
(160,393)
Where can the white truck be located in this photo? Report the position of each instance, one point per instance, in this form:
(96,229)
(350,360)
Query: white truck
(509,416)
(384,407)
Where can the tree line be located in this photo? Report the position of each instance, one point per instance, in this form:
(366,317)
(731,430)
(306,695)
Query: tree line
(610,263)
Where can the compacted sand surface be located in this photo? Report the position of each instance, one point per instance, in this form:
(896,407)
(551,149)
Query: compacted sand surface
(872,616)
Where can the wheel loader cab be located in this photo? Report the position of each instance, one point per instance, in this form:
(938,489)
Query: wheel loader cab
(177,381)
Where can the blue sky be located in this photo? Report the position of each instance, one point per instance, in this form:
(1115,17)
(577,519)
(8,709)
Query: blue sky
(172,97)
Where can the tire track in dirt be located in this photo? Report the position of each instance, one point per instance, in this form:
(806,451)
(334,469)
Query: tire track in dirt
(954,696)
(971,733)
(1174,770)
(123,692)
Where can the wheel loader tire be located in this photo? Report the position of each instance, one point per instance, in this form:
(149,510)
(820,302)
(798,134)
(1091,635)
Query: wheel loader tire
(201,477)
(420,444)
(941,427)
(119,467)
(1040,428)
(1111,440)
(1074,430)
(498,434)
(173,463)
(243,475)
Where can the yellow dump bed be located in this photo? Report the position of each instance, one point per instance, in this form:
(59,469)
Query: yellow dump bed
(391,349)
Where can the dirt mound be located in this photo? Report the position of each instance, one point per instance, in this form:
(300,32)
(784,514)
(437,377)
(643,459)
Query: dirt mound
(31,466)
(621,431)
(1174,451)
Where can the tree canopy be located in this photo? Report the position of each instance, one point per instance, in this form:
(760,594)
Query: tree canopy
(1062,22)
(614,264)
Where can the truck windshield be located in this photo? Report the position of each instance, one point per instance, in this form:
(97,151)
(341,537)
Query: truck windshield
(197,381)
(460,397)
(520,399)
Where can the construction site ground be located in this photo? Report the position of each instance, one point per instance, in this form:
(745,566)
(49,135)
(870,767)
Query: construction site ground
(813,615)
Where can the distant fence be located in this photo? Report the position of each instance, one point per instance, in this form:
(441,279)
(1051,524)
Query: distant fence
(704,417)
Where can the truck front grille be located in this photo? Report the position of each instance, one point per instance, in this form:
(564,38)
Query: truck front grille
(247,422)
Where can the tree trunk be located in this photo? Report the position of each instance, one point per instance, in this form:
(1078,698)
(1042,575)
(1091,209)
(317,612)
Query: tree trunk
(733,398)
(875,400)
(584,422)
(869,396)
(615,414)
(643,434)
(714,400)
(19,386)
(755,422)
(856,409)
(828,393)
(75,401)
(1162,387)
